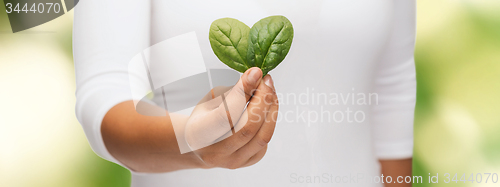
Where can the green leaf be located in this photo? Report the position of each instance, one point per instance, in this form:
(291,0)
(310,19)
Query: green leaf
(269,41)
(265,45)
(229,41)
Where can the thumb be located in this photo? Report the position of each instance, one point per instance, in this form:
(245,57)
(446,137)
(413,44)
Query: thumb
(220,120)
(247,84)
(236,99)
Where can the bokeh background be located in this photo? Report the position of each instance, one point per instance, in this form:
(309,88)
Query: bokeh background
(457,123)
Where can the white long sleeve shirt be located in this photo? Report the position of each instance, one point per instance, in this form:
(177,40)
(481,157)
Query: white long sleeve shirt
(347,87)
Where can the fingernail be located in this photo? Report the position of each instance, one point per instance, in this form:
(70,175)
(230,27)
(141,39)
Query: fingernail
(269,81)
(254,75)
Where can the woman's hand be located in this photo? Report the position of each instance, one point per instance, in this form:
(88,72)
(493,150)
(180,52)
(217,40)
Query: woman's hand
(149,144)
(244,132)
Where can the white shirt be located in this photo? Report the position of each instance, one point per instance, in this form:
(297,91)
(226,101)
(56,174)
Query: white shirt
(342,51)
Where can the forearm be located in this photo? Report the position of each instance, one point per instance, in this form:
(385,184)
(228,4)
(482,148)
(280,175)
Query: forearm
(396,168)
(144,143)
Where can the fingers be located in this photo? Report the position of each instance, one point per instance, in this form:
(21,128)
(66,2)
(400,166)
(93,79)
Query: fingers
(263,136)
(215,122)
(249,144)
(255,116)
(238,96)
(255,158)
(212,119)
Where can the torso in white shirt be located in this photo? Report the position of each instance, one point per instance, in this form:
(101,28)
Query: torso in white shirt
(335,48)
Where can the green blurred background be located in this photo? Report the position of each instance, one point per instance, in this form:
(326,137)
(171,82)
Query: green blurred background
(457,122)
